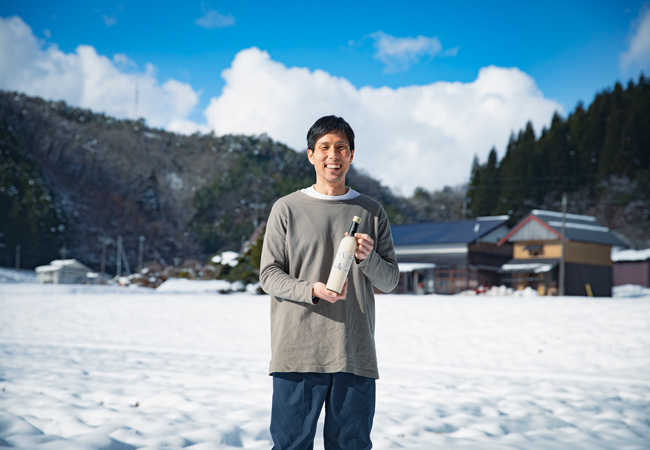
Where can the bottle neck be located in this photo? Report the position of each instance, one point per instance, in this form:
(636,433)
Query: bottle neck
(353,228)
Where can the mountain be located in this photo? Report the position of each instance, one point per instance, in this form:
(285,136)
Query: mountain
(73,180)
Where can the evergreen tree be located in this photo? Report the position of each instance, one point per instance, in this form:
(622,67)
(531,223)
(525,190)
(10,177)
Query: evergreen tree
(636,138)
(473,202)
(492,183)
(519,175)
(559,159)
(30,222)
(592,142)
(485,186)
(577,128)
(615,158)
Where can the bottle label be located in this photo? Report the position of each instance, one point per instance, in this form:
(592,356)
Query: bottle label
(343,261)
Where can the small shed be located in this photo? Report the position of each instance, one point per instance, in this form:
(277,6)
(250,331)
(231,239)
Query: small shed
(63,271)
(538,253)
(631,267)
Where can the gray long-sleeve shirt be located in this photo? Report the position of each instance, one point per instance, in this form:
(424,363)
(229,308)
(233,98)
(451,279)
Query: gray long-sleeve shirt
(300,243)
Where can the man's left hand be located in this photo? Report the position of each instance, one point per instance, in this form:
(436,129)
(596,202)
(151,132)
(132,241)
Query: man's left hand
(365,245)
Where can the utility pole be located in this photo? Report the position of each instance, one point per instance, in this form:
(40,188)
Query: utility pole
(118,270)
(102,269)
(64,253)
(124,259)
(562,274)
(141,253)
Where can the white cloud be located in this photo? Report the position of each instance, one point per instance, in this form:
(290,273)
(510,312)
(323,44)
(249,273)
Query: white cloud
(87,79)
(264,96)
(399,53)
(407,137)
(214,19)
(120,59)
(637,56)
(109,21)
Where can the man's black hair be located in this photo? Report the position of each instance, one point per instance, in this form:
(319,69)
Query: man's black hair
(326,125)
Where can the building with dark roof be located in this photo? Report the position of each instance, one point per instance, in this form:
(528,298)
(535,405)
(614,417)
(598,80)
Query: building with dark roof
(538,252)
(465,252)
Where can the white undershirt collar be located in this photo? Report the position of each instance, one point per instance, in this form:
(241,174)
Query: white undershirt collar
(349,195)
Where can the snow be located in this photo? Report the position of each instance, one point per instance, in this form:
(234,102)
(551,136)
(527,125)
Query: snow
(530,267)
(579,226)
(630,255)
(57,264)
(584,218)
(115,368)
(193,286)
(16,276)
(501,291)
(227,259)
(629,291)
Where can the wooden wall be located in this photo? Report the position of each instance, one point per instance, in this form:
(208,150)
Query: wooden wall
(575,252)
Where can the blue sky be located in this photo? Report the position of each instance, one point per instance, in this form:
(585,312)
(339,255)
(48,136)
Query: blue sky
(415,64)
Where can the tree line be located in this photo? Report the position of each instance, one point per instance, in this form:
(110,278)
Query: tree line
(593,151)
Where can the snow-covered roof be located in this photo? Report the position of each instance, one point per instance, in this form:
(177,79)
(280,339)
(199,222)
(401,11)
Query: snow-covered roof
(630,255)
(59,264)
(410,267)
(525,266)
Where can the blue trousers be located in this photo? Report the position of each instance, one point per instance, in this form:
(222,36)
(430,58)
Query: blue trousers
(298,399)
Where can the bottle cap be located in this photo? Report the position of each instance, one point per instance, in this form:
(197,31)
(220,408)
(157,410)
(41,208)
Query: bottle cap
(356,219)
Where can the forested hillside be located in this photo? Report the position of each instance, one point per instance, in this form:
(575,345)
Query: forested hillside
(76,180)
(599,156)
(72,181)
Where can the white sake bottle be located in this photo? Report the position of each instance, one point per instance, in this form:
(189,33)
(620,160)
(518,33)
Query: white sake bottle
(343,259)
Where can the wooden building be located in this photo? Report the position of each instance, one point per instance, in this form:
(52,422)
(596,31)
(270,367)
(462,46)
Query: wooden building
(631,267)
(538,252)
(465,252)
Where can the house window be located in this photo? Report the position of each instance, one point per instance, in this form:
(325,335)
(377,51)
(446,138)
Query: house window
(535,249)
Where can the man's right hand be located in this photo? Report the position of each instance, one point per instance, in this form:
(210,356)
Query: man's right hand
(320,290)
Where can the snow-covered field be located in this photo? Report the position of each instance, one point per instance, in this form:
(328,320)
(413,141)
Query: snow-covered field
(110,368)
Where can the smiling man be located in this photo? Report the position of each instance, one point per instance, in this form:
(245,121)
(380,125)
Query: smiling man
(323,343)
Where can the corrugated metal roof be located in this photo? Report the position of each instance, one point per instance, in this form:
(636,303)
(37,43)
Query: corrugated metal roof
(547,225)
(459,231)
(534,231)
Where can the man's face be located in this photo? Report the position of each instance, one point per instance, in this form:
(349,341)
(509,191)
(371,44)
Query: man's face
(331,158)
